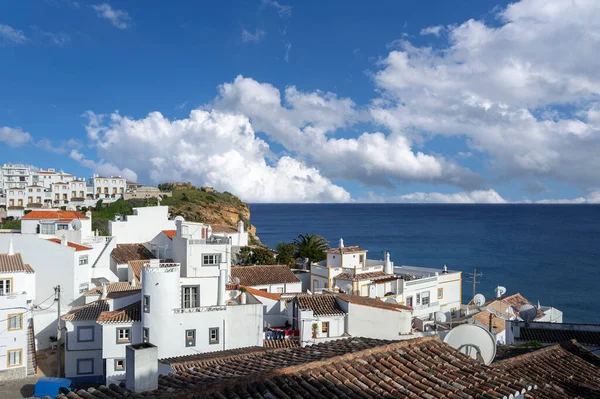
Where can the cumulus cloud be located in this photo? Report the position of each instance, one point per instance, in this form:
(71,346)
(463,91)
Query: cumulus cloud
(302,122)
(10,36)
(255,37)
(58,148)
(119,18)
(211,147)
(282,9)
(490,85)
(14,137)
(432,30)
(471,197)
(102,167)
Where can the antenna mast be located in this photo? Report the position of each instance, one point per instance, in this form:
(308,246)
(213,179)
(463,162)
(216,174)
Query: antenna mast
(474,276)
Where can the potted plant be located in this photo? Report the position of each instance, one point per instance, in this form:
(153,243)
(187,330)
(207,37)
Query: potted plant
(315,327)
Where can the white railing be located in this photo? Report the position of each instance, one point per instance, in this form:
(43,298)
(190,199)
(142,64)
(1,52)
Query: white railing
(420,281)
(429,305)
(215,308)
(210,241)
(96,239)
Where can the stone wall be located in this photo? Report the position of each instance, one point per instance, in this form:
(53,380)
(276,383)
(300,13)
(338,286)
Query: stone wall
(13,373)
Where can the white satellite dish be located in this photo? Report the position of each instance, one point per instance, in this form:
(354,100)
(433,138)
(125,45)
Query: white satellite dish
(473,341)
(76,224)
(236,280)
(500,291)
(479,300)
(528,312)
(440,317)
(348,288)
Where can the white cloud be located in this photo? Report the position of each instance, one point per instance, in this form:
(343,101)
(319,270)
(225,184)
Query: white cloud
(119,18)
(58,39)
(432,30)
(255,37)
(10,36)
(14,137)
(288,50)
(471,197)
(282,9)
(58,148)
(103,168)
(217,148)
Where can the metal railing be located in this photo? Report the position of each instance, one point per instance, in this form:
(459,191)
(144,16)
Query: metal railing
(215,308)
(210,241)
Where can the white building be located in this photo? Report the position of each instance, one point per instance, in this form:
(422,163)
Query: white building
(110,188)
(14,176)
(141,227)
(269,278)
(17,293)
(53,222)
(46,178)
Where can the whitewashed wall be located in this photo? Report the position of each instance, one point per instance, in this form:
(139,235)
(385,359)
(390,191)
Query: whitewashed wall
(142,226)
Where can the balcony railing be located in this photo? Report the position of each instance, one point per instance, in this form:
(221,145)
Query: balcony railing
(216,308)
(210,241)
(426,306)
(420,281)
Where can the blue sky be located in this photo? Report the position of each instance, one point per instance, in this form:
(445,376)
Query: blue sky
(309,101)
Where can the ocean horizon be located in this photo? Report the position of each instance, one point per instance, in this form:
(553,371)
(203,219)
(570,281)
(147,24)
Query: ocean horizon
(546,252)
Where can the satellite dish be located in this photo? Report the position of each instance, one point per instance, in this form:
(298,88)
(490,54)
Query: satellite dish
(473,341)
(348,288)
(479,300)
(527,312)
(236,280)
(500,291)
(440,317)
(76,224)
(391,300)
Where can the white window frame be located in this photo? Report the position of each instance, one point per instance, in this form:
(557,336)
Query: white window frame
(123,335)
(211,259)
(83,260)
(15,321)
(12,355)
(6,286)
(213,332)
(192,292)
(84,287)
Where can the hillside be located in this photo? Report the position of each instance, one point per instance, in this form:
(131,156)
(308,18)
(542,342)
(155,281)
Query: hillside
(194,204)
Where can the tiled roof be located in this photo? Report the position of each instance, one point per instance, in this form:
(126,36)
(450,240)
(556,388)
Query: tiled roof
(515,301)
(184,363)
(128,314)
(124,253)
(555,336)
(320,304)
(345,250)
(116,290)
(500,307)
(561,371)
(91,311)
(14,264)
(498,323)
(264,275)
(170,233)
(136,266)
(67,215)
(372,302)
(222,228)
(281,343)
(77,247)
(362,276)
(263,294)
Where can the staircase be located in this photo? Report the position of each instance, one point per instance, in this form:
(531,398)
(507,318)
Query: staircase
(31,355)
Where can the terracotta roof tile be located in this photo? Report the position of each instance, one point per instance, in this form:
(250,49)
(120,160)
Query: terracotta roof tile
(182,363)
(124,253)
(372,302)
(251,276)
(320,304)
(14,264)
(170,233)
(136,266)
(556,336)
(345,250)
(281,343)
(54,214)
(263,294)
(128,314)
(77,247)
(91,311)
(362,276)
(116,290)
(483,317)
(515,301)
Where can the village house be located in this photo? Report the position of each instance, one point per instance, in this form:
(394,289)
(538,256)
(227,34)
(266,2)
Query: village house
(269,278)
(107,188)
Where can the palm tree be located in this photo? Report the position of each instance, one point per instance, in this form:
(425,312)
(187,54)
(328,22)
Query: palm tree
(311,246)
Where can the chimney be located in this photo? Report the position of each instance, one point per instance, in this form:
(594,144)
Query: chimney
(141,366)
(389,267)
(341,243)
(133,281)
(11,250)
(63,240)
(222,282)
(104,291)
(240,227)
(243,298)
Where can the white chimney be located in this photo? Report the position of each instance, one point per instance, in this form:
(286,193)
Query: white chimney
(341,243)
(141,365)
(389,267)
(243,298)
(240,227)
(133,281)
(63,240)
(104,291)
(11,250)
(221,291)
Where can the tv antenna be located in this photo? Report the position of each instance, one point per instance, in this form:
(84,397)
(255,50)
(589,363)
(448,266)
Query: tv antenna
(500,291)
(474,276)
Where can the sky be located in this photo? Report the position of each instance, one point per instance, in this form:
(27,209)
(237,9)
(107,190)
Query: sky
(310,101)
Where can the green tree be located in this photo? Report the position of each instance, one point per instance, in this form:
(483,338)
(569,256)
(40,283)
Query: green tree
(285,253)
(311,246)
(255,256)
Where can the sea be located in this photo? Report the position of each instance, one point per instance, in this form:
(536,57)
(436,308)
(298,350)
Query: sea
(548,253)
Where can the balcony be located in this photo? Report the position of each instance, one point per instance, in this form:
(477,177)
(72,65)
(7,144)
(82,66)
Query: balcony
(210,241)
(34,205)
(77,199)
(200,309)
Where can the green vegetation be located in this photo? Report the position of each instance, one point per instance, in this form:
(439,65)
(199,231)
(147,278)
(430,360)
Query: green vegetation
(311,247)
(285,253)
(11,224)
(101,214)
(255,256)
(182,194)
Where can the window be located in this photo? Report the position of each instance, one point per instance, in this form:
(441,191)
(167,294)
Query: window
(15,321)
(146,303)
(56,197)
(280,290)
(12,202)
(211,259)
(14,357)
(30,200)
(190,338)
(213,335)
(84,287)
(83,260)
(361,258)
(440,293)
(5,286)
(38,200)
(81,194)
(425,298)
(74,194)
(123,335)
(46,228)
(65,197)
(315,285)
(62,227)
(119,364)
(146,334)
(85,334)
(189,297)
(85,366)
(409,301)
(325,328)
